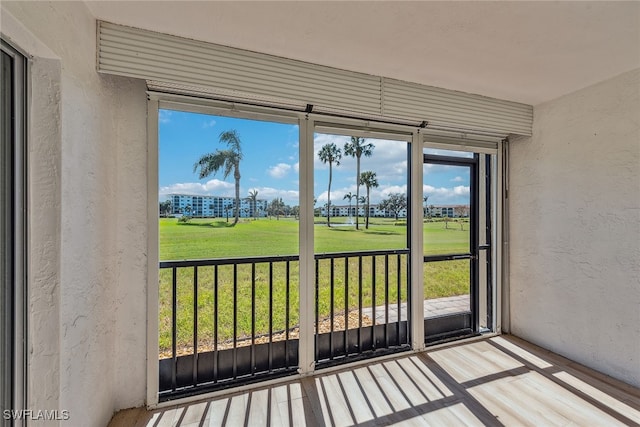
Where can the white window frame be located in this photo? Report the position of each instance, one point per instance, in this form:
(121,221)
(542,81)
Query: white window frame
(309,123)
(20,261)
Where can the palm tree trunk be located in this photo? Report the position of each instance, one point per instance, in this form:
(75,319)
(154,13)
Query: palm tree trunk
(366,226)
(237,207)
(357,191)
(329,196)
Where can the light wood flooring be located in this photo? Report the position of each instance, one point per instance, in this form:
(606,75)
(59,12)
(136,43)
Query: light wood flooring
(496,381)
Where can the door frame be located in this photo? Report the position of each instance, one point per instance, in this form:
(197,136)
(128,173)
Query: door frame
(458,325)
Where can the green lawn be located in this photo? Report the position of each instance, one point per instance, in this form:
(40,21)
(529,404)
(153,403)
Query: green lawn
(214,238)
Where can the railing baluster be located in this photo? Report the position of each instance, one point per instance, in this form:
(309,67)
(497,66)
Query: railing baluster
(286,317)
(270,316)
(346,306)
(174,327)
(398,267)
(373,301)
(195,325)
(331,302)
(386,300)
(359,303)
(216,357)
(253,318)
(317,308)
(235,320)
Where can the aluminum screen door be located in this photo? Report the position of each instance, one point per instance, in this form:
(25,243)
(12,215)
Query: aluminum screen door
(451,303)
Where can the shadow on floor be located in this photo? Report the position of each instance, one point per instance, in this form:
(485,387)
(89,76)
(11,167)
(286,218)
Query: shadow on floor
(496,381)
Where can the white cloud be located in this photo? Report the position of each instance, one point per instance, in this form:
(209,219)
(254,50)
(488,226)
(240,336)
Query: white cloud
(164,116)
(279,170)
(209,124)
(290,197)
(389,159)
(446,194)
(461,190)
(296,167)
(214,187)
(457,179)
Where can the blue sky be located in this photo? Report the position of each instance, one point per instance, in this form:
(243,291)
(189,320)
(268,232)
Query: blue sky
(270,163)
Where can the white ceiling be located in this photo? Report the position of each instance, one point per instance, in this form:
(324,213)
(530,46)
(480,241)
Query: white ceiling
(527,52)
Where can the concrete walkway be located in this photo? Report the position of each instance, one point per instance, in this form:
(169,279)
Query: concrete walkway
(432,307)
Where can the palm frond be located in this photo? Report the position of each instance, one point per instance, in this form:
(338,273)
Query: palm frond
(211,163)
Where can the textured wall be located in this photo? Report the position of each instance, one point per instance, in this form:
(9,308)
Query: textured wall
(575,228)
(87,218)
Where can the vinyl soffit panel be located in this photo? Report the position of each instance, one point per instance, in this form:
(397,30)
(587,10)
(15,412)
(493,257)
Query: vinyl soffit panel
(172,60)
(446,107)
(154,56)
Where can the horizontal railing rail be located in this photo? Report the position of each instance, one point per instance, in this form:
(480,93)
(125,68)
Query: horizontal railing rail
(227,261)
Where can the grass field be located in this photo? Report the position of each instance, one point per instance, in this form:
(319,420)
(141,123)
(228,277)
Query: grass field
(214,238)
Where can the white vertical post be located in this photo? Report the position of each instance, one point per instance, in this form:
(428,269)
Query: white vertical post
(417,249)
(306,353)
(152,254)
(483,190)
(501,248)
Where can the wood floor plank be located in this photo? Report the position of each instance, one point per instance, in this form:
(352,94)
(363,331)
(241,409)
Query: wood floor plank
(454,415)
(337,407)
(259,408)
(237,412)
(409,389)
(522,352)
(359,403)
(437,382)
(568,404)
(421,380)
(497,381)
(377,399)
(218,410)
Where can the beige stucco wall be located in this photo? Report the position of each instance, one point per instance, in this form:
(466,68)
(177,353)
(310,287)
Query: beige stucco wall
(87,219)
(575,228)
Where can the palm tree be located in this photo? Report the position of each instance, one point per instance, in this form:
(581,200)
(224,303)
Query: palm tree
(349,196)
(227,209)
(426,209)
(165,208)
(253,197)
(369,180)
(228,160)
(357,148)
(330,153)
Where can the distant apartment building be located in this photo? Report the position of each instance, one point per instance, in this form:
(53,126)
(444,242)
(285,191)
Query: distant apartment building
(215,206)
(435,211)
(447,211)
(374,211)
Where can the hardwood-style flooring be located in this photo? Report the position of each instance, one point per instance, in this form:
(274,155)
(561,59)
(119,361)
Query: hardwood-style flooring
(496,381)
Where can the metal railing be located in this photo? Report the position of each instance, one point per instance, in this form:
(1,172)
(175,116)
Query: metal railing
(235,320)
(371,286)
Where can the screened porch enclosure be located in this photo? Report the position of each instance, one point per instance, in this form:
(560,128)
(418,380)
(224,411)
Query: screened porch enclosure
(242,294)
